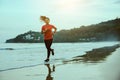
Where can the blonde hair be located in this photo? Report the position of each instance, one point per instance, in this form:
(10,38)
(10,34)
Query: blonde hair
(43,18)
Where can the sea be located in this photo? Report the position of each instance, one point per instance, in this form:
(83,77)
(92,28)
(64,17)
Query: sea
(21,55)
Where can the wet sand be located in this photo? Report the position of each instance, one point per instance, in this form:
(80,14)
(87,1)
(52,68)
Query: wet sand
(81,67)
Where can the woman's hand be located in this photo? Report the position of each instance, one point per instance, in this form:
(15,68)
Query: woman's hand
(44,31)
(55,29)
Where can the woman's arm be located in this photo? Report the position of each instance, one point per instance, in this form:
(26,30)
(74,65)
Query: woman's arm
(44,31)
(55,29)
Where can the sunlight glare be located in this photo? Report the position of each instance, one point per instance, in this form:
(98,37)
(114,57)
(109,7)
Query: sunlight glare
(67,6)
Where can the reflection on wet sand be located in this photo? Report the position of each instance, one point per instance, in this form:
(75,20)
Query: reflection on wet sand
(49,77)
(95,55)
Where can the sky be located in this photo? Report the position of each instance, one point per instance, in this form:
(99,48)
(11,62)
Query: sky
(20,16)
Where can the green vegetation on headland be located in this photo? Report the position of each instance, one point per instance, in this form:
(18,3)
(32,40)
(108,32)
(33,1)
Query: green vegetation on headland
(104,31)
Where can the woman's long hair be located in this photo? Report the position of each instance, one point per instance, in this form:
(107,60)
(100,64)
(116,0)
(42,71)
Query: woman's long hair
(43,18)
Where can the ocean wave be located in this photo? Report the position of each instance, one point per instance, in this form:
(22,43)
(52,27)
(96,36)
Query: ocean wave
(6,48)
(19,67)
(18,48)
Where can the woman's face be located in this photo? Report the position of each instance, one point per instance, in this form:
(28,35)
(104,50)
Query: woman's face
(47,21)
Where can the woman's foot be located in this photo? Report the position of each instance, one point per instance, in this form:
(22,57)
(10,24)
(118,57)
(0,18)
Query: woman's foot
(46,60)
(52,52)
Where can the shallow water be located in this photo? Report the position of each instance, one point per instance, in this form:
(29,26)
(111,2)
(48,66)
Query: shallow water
(26,55)
(26,61)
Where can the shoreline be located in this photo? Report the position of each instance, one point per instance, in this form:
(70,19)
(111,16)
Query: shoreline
(76,68)
(95,55)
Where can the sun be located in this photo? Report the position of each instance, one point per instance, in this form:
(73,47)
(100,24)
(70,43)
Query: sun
(67,6)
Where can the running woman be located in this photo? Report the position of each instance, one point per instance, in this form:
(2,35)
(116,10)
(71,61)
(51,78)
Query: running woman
(48,30)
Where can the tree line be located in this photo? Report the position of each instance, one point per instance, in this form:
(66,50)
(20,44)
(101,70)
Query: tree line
(104,31)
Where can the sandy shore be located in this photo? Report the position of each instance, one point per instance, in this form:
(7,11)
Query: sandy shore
(108,69)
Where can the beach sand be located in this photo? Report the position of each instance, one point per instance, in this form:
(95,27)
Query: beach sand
(107,69)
